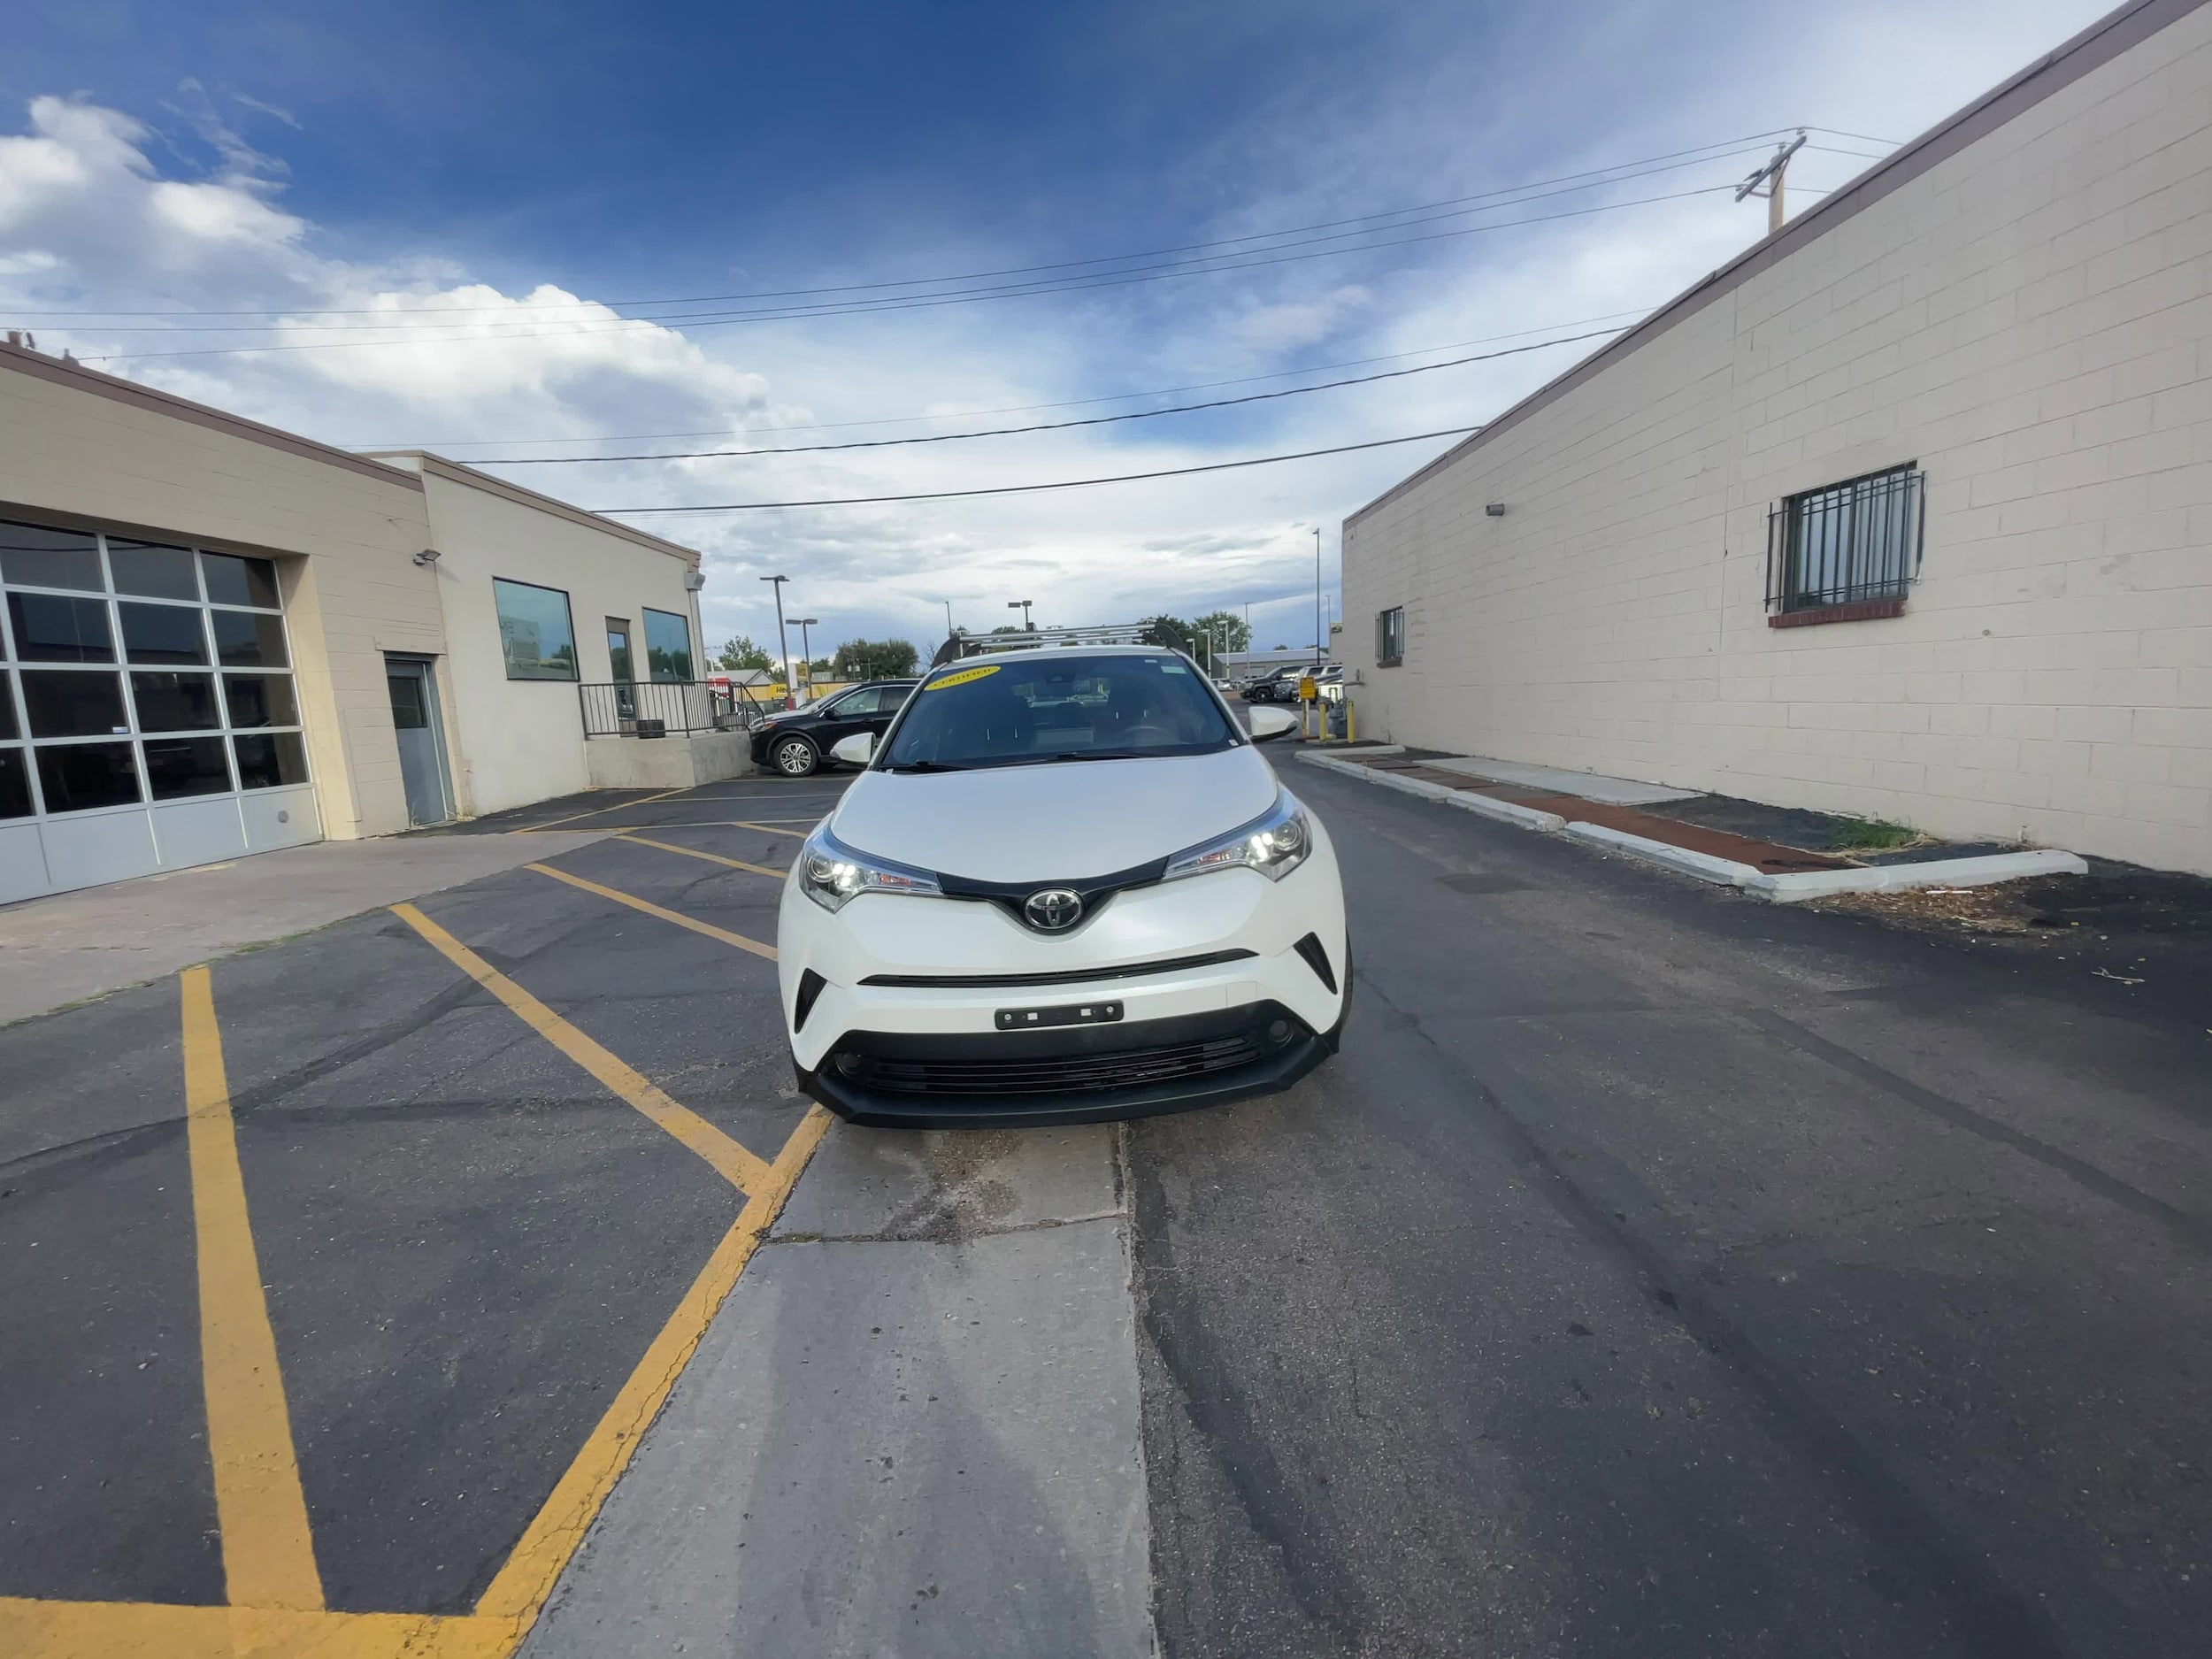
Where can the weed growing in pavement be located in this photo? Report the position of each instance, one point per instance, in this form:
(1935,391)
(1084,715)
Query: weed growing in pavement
(1869,835)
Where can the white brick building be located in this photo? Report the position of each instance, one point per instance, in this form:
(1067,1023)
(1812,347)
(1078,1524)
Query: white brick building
(218,638)
(2008,324)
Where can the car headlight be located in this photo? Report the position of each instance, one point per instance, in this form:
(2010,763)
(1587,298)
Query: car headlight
(1275,843)
(833,874)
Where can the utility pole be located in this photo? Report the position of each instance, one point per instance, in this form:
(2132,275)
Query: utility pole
(806,650)
(1770,177)
(1318,637)
(1023,606)
(783,644)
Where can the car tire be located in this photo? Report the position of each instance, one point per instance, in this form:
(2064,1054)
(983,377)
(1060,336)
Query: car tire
(794,756)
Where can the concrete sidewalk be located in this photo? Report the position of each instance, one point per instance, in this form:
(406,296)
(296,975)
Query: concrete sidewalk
(912,1429)
(1588,785)
(75,946)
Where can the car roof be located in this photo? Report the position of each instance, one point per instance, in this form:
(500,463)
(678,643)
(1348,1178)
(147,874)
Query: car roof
(1046,652)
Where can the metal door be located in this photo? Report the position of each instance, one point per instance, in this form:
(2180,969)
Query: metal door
(620,672)
(422,769)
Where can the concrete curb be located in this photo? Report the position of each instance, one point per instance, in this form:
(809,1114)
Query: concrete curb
(1332,751)
(1940,873)
(1481,805)
(1796,888)
(1784,889)
(1722,871)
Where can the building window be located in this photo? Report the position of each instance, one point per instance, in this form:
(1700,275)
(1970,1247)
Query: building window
(667,644)
(533,630)
(1848,551)
(109,652)
(1390,637)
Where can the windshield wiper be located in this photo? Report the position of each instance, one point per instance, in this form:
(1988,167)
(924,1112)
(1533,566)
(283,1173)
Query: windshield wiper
(929,765)
(1082,754)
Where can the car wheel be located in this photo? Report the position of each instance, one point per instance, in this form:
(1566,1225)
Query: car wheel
(794,756)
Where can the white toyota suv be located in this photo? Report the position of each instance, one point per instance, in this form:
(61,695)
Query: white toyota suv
(1066,887)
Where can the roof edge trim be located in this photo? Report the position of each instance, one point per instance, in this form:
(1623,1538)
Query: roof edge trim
(75,376)
(437,465)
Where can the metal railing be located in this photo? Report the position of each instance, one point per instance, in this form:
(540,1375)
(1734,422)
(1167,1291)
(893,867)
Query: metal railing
(1852,541)
(666,708)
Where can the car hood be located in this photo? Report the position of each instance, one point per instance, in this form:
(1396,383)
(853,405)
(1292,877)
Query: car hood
(1065,820)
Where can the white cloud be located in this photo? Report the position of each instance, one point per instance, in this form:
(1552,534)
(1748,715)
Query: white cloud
(87,218)
(1298,323)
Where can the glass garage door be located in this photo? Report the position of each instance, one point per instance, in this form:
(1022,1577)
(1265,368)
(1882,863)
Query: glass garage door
(148,717)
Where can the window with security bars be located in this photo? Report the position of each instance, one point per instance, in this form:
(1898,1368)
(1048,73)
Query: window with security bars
(134,671)
(1390,637)
(1850,544)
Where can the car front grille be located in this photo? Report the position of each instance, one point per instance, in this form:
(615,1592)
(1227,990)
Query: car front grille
(1049,1074)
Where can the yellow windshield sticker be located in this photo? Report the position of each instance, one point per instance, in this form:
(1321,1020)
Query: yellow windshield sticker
(963,677)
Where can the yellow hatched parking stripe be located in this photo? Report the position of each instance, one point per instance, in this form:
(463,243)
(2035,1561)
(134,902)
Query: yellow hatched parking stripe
(268,1554)
(742,1169)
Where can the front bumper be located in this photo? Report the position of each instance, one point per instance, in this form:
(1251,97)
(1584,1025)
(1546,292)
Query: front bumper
(1077,1074)
(908,992)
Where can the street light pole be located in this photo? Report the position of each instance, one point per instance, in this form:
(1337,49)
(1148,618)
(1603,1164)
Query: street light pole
(783,644)
(1022,605)
(949,627)
(806,650)
(1317,635)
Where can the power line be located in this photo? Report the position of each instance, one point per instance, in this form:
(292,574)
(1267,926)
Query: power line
(918,304)
(1590,177)
(1011,409)
(1046,425)
(1065,483)
(527,327)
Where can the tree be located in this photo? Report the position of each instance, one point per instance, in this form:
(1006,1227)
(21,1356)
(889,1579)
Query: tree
(740,654)
(1166,631)
(1230,631)
(875,659)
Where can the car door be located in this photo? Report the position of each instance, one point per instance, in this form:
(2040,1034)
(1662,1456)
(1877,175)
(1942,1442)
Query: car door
(841,718)
(889,701)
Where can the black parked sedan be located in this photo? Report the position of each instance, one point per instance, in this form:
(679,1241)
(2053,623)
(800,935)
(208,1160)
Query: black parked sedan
(798,743)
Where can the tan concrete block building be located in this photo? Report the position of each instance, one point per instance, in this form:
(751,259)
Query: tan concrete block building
(218,638)
(1906,513)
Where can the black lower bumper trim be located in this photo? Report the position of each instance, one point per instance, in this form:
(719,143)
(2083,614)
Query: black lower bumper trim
(1068,1075)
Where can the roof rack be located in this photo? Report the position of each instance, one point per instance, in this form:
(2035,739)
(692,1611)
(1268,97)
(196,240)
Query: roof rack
(961,643)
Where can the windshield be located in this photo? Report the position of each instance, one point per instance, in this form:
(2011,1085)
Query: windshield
(1058,706)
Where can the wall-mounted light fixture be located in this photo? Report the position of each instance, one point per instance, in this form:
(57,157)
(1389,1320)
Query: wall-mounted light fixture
(427,557)
(1495,510)
(693,580)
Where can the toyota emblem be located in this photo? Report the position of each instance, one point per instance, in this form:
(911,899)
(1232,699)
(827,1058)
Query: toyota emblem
(1054,910)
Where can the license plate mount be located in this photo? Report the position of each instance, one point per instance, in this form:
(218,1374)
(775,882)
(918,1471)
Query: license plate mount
(1103,1012)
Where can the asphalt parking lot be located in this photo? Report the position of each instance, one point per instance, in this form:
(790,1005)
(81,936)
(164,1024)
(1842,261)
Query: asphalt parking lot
(327,1266)
(1656,1271)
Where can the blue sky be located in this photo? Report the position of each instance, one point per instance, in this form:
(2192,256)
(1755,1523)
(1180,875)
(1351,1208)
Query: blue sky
(484,182)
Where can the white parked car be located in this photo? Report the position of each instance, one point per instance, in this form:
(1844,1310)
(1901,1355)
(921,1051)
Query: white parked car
(1068,887)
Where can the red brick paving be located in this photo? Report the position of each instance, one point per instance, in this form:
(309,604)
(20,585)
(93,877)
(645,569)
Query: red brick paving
(1762,856)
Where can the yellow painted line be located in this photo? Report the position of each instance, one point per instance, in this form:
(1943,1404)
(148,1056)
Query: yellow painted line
(693,852)
(536,1561)
(665,914)
(268,1553)
(742,1169)
(575,817)
(145,1630)
(777,829)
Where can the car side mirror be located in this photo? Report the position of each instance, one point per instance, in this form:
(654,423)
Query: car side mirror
(856,750)
(1270,723)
